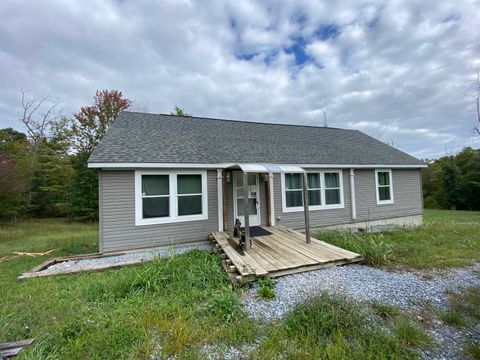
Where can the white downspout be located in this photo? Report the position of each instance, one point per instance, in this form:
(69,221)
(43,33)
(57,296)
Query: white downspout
(272,203)
(220,198)
(352,194)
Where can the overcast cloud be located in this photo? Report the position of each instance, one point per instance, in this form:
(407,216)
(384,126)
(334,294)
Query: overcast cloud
(397,70)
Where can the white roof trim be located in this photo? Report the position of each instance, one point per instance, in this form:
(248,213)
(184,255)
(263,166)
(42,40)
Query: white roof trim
(137,165)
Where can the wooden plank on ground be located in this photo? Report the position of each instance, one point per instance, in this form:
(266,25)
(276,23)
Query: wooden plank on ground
(16,344)
(7,354)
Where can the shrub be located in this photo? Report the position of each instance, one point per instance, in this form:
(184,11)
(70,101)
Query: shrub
(225,305)
(266,288)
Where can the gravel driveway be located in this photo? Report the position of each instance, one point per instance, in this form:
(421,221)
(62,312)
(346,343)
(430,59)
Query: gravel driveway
(405,289)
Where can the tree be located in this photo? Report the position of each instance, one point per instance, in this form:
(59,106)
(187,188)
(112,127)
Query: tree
(38,115)
(450,185)
(89,126)
(91,122)
(453,181)
(179,112)
(11,189)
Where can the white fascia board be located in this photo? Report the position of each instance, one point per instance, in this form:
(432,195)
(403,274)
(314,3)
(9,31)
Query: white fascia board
(135,165)
(157,165)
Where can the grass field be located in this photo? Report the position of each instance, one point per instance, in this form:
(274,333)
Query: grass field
(447,239)
(185,304)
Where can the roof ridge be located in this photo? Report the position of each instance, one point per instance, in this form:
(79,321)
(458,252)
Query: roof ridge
(242,121)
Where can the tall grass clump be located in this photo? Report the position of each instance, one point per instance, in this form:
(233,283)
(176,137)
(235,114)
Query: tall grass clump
(375,248)
(195,270)
(333,327)
(266,288)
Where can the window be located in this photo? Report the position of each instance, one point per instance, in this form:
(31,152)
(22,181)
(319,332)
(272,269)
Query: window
(383,179)
(293,190)
(189,193)
(325,190)
(314,189)
(332,188)
(155,196)
(165,197)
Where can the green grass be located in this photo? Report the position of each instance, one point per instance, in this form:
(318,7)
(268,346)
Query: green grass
(333,327)
(175,307)
(266,288)
(446,239)
(182,303)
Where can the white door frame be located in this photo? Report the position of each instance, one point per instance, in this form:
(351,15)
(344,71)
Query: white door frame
(254,220)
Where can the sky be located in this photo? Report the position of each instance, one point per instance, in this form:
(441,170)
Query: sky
(400,71)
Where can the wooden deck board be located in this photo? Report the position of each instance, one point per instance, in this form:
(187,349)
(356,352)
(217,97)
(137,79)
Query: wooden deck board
(301,236)
(282,252)
(303,247)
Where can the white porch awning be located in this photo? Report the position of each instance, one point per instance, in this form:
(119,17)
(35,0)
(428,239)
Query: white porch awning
(268,168)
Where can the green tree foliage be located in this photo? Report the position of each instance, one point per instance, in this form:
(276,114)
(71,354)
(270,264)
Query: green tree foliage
(179,112)
(91,122)
(89,126)
(453,182)
(44,173)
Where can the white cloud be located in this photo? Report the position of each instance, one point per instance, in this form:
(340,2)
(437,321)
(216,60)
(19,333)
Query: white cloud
(397,70)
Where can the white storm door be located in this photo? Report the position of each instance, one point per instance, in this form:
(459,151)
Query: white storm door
(253,198)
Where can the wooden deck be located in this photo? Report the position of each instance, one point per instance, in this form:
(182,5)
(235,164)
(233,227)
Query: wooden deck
(281,253)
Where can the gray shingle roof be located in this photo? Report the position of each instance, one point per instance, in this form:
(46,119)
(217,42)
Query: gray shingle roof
(149,138)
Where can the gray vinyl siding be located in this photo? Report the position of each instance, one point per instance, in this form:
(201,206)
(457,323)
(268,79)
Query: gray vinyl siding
(296,220)
(117,222)
(229,202)
(407,200)
(407,195)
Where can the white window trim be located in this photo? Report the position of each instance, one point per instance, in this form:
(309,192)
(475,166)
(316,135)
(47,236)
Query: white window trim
(377,187)
(286,209)
(174,217)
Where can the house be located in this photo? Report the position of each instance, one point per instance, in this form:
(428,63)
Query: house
(166,179)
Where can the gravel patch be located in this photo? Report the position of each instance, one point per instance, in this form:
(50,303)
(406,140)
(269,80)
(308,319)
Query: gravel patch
(408,290)
(404,289)
(95,263)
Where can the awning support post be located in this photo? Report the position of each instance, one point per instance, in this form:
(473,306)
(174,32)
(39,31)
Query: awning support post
(305,207)
(246,213)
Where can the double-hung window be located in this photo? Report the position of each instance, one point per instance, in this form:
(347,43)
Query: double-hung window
(384,187)
(294,190)
(325,190)
(166,197)
(332,188)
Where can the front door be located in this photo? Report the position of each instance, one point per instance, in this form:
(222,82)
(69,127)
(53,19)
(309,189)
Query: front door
(253,198)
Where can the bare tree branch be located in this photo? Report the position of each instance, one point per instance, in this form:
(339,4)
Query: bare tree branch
(38,123)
